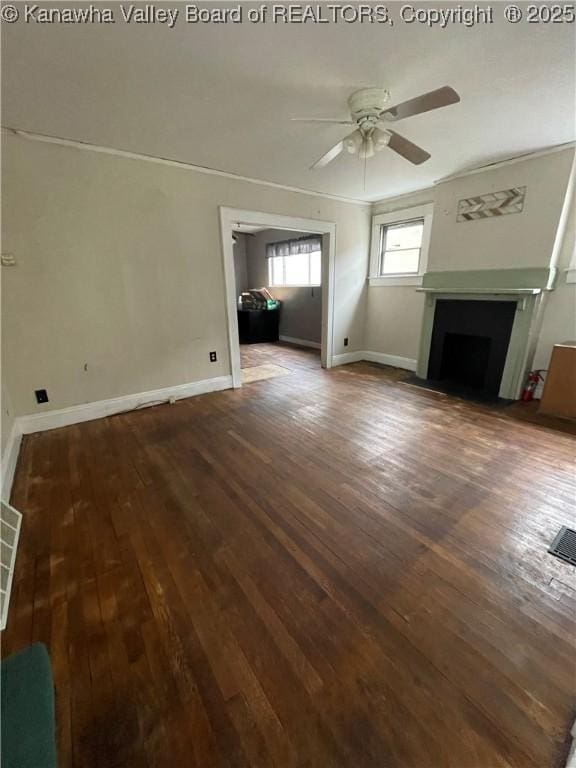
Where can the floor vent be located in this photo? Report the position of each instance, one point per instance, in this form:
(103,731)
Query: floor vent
(564,545)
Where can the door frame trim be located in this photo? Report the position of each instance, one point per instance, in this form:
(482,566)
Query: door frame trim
(229,217)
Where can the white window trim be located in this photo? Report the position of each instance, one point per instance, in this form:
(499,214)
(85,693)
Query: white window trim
(397,217)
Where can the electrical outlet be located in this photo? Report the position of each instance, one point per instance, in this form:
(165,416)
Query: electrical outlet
(8,260)
(346,341)
(212,357)
(41,396)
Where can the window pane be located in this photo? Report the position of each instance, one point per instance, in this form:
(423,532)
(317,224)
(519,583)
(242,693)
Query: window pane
(403,236)
(297,269)
(276,270)
(401,262)
(315,267)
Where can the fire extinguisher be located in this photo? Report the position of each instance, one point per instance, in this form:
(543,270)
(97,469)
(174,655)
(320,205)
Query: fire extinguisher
(534,378)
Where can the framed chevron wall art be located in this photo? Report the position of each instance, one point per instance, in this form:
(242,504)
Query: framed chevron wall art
(492,204)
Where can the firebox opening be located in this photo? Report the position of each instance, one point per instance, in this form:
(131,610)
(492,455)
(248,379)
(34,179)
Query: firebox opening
(465,359)
(469,344)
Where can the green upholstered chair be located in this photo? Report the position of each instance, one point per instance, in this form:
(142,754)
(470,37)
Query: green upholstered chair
(27,715)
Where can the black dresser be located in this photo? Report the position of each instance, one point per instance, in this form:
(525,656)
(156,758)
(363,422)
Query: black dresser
(258,325)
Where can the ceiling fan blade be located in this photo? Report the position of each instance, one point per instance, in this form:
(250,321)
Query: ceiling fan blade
(328,156)
(333,152)
(334,121)
(441,97)
(407,149)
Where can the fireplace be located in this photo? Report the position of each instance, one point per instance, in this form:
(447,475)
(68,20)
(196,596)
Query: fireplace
(469,345)
(483,323)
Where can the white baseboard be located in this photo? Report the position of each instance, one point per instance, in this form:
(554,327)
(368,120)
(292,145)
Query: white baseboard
(347,357)
(571,761)
(407,363)
(39,422)
(301,342)
(10,459)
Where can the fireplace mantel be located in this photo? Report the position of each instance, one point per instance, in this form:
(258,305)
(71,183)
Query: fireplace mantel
(511,291)
(491,280)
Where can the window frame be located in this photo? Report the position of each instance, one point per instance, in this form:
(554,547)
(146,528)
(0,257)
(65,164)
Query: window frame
(294,285)
(382,250)
(400,216)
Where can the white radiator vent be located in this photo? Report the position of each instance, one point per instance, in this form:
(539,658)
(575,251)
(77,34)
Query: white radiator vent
(10,520)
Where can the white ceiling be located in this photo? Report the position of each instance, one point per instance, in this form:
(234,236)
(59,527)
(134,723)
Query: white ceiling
(221,96)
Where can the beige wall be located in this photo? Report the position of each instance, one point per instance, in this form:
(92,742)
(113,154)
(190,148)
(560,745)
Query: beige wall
(559,322)
(392,204)
(301,310)
(7,415)
(518,240)
(393,321)
(119,283)
(6,420)
(394,314)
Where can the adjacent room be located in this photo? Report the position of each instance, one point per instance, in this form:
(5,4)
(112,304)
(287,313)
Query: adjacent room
(280,322)
(288,385)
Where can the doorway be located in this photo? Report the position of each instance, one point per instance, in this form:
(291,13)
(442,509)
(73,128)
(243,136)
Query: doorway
(292,261)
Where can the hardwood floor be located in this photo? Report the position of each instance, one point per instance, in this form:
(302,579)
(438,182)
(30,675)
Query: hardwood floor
(324,569)
(295,358)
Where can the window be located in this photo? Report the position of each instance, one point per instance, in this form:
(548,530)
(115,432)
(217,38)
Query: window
(400,247)
(295,263)
(400,240)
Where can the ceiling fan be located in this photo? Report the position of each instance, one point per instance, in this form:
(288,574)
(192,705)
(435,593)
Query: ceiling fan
(370,116)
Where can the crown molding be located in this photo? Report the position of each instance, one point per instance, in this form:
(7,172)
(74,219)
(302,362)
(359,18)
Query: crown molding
(87,147)
(509,161)
(470,172)
(393,199)
(73,143)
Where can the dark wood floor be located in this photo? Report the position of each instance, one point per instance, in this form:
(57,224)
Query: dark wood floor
(286,355)
(322,569)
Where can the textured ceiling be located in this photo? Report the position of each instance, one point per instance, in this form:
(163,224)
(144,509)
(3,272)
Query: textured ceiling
(221,95)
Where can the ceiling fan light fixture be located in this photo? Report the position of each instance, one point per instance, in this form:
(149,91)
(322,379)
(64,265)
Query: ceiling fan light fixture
(353,143)
(367,149)
(381,141)
(368,111)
